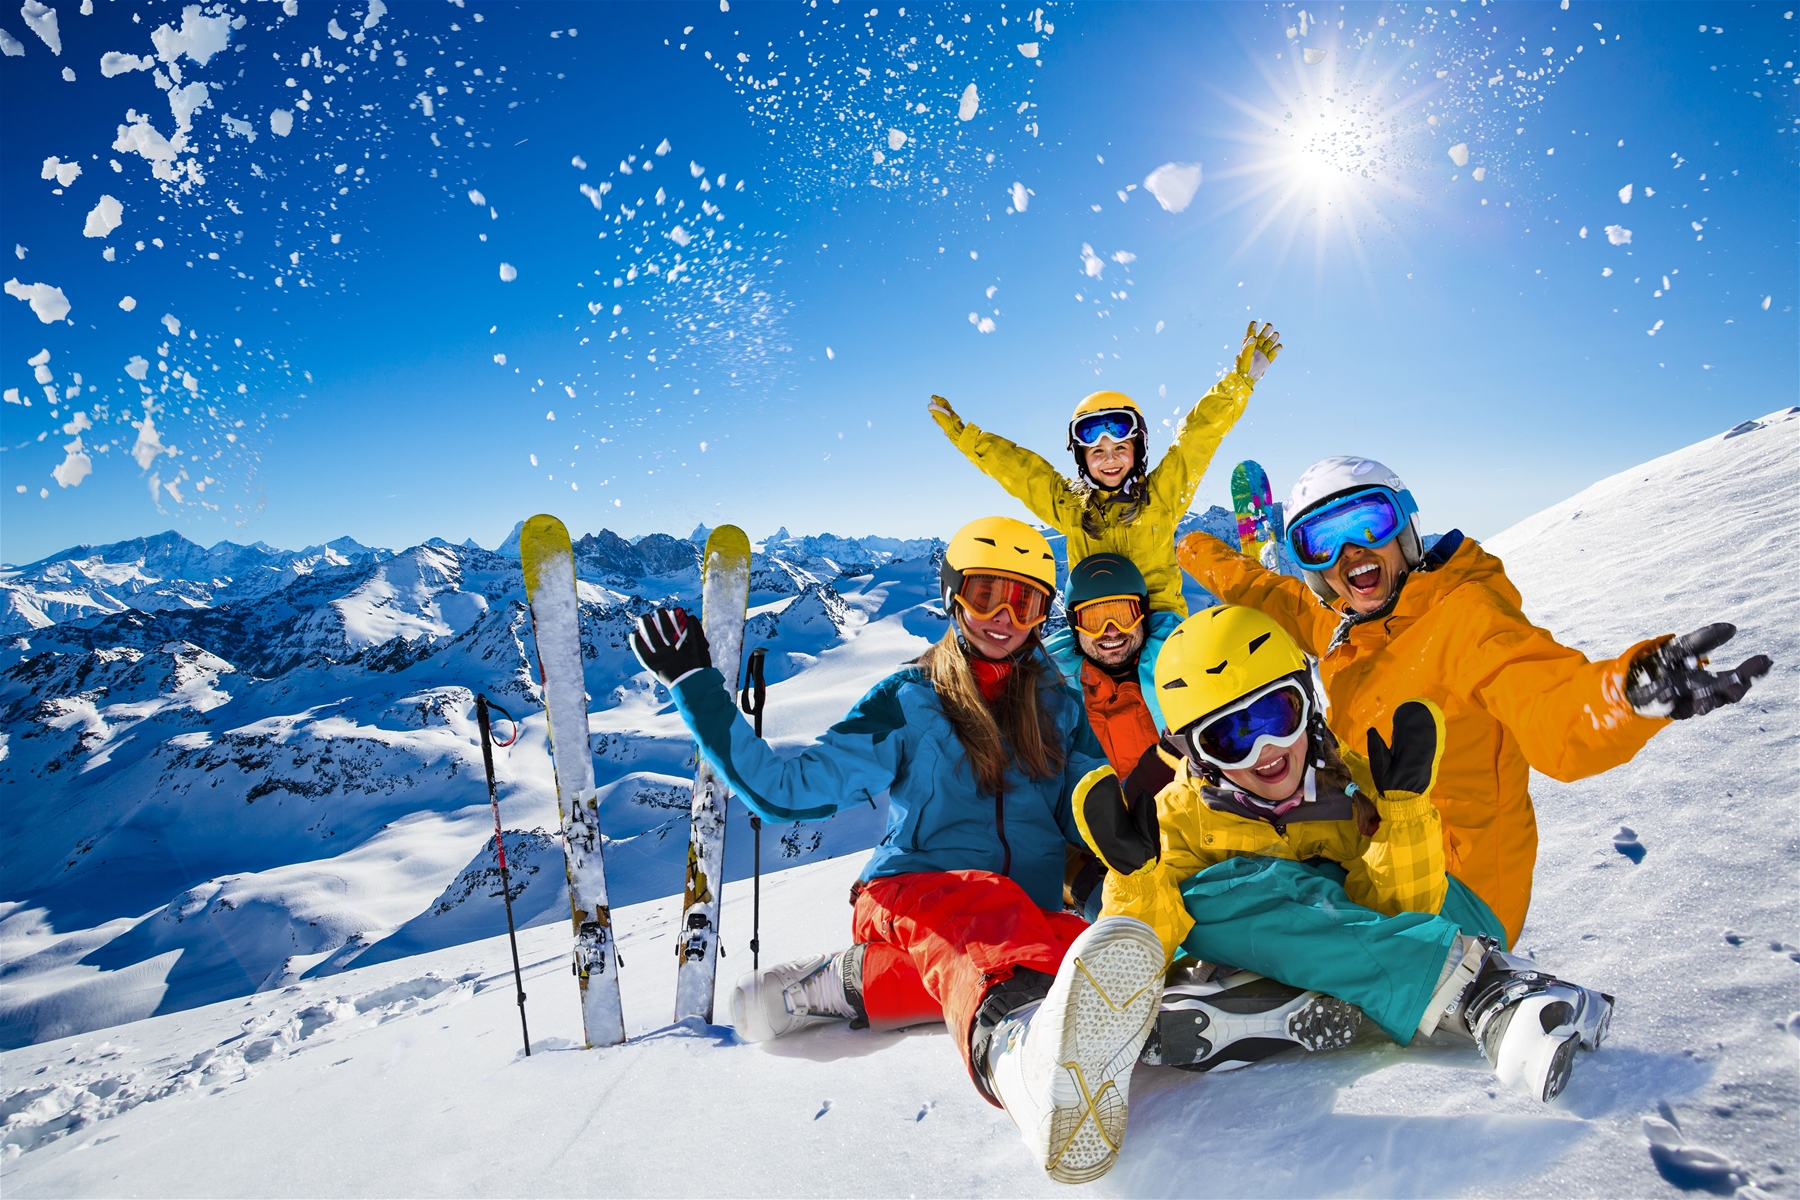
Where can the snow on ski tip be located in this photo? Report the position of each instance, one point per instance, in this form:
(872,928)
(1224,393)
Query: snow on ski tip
(548,561)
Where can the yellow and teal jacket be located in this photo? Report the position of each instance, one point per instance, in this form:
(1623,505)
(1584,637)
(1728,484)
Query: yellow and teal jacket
(1390,845)
(1149,540)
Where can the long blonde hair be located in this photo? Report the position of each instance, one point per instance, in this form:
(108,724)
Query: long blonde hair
(1016,728)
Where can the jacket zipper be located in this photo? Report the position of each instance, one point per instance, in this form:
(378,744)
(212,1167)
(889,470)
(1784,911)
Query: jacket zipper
(1000,828)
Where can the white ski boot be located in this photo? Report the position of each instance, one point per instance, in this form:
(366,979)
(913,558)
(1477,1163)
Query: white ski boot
(1062,1067)
(1527,1022)
(784,999)
(1223,1022)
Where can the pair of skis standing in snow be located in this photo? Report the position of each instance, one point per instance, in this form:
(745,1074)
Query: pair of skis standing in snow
(1249,831)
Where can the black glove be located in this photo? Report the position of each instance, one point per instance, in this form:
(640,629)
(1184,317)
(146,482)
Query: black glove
(1150,776)
(1126,837)
(1411,764)
(670,644)
(1668,681)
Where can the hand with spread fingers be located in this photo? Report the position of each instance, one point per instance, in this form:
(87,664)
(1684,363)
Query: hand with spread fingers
(1259,350)
(1408,767)
(1670,680)
(670,644)
(946,417)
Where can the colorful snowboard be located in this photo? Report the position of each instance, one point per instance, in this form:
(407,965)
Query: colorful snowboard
(725,597)
(1257,524)
(549,563)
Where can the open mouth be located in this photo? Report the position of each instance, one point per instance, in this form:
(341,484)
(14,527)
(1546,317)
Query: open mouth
(1272,772)
(1364,580)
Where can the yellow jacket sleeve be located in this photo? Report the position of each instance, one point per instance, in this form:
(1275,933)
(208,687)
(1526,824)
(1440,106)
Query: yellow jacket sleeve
(1403,868)
(1234,579)
(1153,894)
(1173,480)
(1027,476)
(1570,715)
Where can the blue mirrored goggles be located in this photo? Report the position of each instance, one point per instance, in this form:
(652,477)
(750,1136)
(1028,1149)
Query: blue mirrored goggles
(1371,517)
(1119,424)
(1272,716)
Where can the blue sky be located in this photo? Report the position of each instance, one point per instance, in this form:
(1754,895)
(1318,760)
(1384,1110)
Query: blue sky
(820,296)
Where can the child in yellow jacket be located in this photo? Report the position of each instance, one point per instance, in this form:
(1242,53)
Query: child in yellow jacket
(1119,505)
(1272,850)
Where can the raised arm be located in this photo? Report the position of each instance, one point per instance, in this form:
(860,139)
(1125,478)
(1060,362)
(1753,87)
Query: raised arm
(1030,479)
(1403,868)
(856,759)
(1234,579)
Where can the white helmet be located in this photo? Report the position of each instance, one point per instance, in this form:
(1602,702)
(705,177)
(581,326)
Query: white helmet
(1332,477)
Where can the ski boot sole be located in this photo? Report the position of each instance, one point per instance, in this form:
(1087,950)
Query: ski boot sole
(1108,1010)
(1227,1029)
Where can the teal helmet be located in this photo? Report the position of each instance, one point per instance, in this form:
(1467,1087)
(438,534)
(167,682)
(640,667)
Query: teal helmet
(1099,576)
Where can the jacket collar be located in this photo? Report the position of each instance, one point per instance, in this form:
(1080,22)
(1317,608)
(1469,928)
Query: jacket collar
(1454,560)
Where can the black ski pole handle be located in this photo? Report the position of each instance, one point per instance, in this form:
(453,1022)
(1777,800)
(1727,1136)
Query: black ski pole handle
(753,694)
(482,704)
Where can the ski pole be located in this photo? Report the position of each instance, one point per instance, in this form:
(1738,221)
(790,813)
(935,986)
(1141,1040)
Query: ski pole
(751,700)
(487,759)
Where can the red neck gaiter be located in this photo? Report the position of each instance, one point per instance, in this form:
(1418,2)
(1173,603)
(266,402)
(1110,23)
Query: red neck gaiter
(990,675)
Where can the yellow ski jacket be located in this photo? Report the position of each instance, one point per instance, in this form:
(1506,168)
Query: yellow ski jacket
(1512,697)
(1397,868)
(1149,540)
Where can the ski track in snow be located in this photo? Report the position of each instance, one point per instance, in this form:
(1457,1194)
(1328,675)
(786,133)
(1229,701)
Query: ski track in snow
(407,1077)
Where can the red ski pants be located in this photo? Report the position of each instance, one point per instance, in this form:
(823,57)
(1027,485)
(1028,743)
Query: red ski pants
(938,940)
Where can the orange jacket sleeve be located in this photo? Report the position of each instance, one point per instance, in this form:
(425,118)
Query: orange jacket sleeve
(1570,715)
(1234,579)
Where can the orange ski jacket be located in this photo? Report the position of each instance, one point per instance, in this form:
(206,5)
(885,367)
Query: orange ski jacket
(1513,698)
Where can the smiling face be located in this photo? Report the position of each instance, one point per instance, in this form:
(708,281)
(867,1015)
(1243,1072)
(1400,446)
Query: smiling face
(1110,462)
(1366,577)
(1112,647)
(996,637)
(1278,773)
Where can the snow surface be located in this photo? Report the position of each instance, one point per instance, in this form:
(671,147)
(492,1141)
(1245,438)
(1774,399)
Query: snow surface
(1668,882)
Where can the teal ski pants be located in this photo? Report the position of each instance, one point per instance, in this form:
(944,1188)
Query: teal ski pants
(1293,921)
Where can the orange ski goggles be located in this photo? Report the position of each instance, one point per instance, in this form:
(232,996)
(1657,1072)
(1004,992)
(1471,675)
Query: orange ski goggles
(983,596)
(1123,613)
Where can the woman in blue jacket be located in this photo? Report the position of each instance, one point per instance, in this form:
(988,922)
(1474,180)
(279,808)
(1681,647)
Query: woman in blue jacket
(982,751)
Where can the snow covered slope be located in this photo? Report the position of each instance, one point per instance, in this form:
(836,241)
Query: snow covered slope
(406,1077)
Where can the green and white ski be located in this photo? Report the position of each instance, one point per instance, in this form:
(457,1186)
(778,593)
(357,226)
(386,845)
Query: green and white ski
(549,563)
(725,599)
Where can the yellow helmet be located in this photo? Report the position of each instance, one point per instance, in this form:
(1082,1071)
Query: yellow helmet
(1103,401)
(997,544)
(1218,655)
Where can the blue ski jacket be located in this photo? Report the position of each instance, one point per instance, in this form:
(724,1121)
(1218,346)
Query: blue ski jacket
(1065,652)
(898,740)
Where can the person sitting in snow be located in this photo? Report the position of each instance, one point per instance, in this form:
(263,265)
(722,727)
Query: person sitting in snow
(1273,850)
(1388,620)
(983,752)
(1120,504)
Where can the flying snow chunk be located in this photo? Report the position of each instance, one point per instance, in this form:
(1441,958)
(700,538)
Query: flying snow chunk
(830,353)
(1021,196)
(1091,263)
(281,122)
(1480,173)
(41,20)
(48,303)
(199,38)
(1028,49)
(1618,235)
(128,303)
(896,139)
(74,468)
(569,390)
(336,30)
(680,236)
(724,5)
(501,359)
(663,148)
(971,103)
(508,272)
(477,199)
(1625,194)
(578,162)
(1312,56)
(64,173)
(695,169)
(1174,185)
(1459,154)
(1583,231)
(114,63)
(104,219)
(377,10)
(1123,256)
(139,366)
(11,46)
(1766,300)
(171,324)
